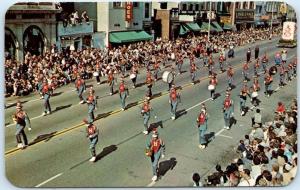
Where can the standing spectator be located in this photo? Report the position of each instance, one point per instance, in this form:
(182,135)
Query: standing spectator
(196,180)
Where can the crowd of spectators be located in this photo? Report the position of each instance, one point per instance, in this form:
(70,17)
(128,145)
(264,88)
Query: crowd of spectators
(267,156)
(59,68)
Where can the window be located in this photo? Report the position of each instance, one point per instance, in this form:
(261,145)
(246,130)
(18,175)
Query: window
(245,5)
(213,5)
(135,4)
(197,7)
(163,5)
(184,7)
(237,5)
(251,5)
(147,10)
(117,4)
(207,5)
(191,6)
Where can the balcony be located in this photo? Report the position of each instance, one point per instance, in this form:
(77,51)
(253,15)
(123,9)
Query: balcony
(75,30)
(32,7)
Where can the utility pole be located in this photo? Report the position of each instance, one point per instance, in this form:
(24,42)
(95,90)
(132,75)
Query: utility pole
(208,36)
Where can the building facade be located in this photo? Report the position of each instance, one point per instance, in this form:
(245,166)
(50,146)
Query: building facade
(30,27)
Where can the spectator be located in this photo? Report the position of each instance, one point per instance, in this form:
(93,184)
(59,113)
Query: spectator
(246,179)
(196,180)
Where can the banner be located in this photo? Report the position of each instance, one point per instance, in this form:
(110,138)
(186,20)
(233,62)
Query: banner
(128,11)
(288,31)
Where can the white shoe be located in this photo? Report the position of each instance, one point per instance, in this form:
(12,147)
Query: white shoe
(29,129)
(98,82)
(93,159)
(20,145)
(122,109)
(200,146)
(110,94)
(227,128)
(173,118)
(154,178)
(81,102)
(145,132)
(48,112)
(44,113)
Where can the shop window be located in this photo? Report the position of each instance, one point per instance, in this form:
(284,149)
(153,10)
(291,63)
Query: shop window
(251,5)
(245,5)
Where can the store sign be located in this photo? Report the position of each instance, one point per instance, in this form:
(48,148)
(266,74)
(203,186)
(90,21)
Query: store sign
(264,17)
(244,15)
(225,19)
(186,18)
(128,11)
(283,8)
(288,31)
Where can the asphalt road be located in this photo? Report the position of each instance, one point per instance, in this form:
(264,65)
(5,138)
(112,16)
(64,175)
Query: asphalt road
(58,156)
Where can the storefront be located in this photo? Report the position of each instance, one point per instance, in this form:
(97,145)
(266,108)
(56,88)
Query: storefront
(75,37)
(244,18)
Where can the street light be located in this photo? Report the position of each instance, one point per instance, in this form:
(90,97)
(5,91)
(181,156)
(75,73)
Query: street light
(272,19)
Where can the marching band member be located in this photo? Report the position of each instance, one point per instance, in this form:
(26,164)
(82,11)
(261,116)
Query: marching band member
(230,73)
(80,88)
(268,84)
(21,120)
(156,147)
(123,91)
(227,110)
(91,102)
(111,81)
(243,98)
(202,126)
(174,98)
(92,133)
(47,91)
(212,86)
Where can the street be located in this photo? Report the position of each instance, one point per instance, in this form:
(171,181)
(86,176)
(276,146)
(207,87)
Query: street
(58,153)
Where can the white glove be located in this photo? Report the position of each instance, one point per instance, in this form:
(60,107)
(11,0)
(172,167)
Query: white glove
(162,156)
(29,129)
(155,117)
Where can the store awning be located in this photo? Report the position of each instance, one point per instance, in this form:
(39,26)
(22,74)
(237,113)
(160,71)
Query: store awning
(217,26)
(193,26)
(130,36)
(227,26)
(204,27)
(183,30)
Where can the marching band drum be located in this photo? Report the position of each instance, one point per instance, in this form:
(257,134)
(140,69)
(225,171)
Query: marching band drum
(167,77)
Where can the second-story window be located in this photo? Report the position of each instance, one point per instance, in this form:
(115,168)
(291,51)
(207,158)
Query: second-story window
(164,5)
(191,6)
(135,4)
(147,10)
(197,7)
(117,4)
(251,5)
(184,7)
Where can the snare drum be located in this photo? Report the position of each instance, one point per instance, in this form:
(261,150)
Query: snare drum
(95,74)
(132,76)
(211,87)
(254,94)
(167,77)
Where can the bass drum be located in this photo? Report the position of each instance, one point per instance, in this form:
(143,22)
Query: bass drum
(167,77)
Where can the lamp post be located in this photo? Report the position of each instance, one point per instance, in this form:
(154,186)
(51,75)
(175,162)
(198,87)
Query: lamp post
(209,17)
(272,19)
